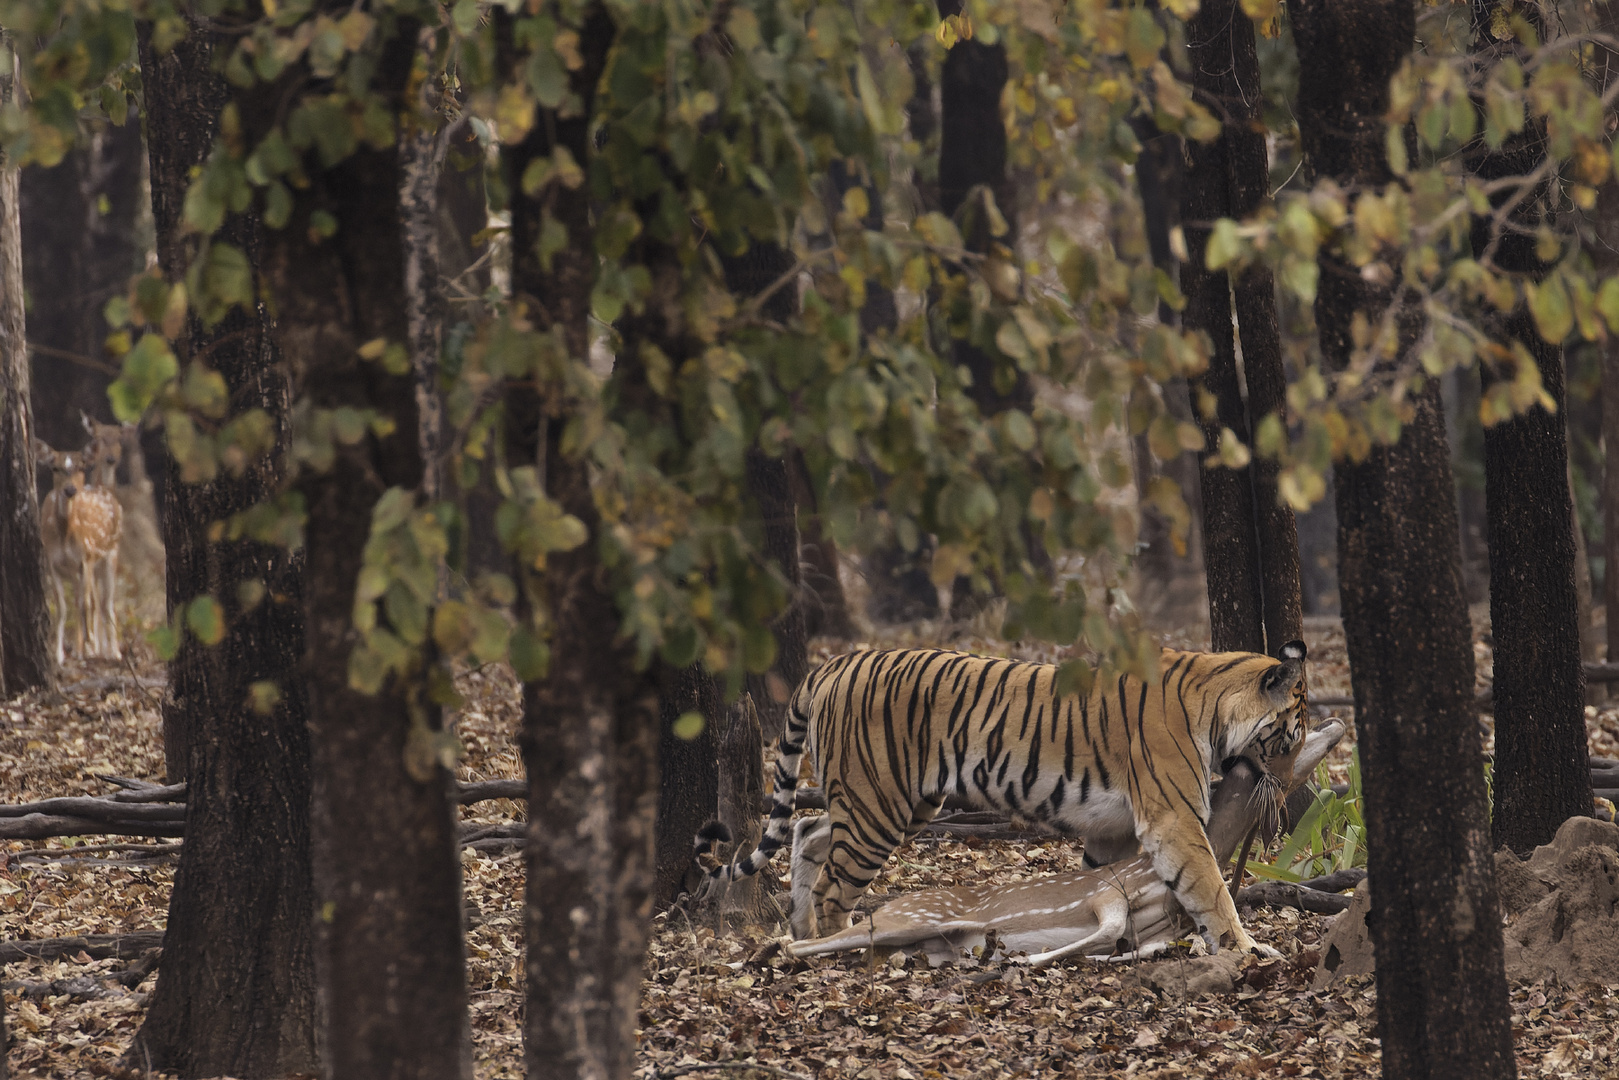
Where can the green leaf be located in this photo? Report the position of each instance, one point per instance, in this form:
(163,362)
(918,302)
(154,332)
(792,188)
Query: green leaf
(148,368)
(263,696)
(165,641)
(1224,247)
(277,205)
(1549,303)
(530,655)
(689,726)
(206,619)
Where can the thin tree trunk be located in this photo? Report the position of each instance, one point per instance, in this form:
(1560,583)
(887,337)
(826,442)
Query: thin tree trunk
(422,158)
(1605,253)
(589,727)
(389,947)
(1250,540)
(689,794)
(1610,472)
(236,991)
(972,153)
(1441,988)
(770,485)
(25,658)
(81,243)
(1542,771)
(741,786)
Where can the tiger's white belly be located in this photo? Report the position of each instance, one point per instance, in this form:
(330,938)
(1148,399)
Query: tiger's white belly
(1104,814)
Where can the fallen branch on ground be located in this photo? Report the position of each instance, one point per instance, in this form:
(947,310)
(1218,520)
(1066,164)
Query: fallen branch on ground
(95,946)
(1280,894)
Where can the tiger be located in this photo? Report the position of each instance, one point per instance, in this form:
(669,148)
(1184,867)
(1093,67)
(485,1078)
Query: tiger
(895,732)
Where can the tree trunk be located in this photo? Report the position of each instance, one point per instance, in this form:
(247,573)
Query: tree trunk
(972,153)
(770,485)
(689,795)
(1542,771)
(1250,541)
(389,948)
(1441,990)
(741,787)
(77,256)
(236,991)
(1610,472)
(589,734)
(25,658)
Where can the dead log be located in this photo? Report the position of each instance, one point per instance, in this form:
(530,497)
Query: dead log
(483,790)
(1337,881)
(95,946)
(98,809)
(1280,894)
(42,826)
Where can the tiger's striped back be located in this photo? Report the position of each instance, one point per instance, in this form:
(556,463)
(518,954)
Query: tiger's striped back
(895,732)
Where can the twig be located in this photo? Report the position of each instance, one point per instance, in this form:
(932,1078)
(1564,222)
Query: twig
(155,851)
(682,1070)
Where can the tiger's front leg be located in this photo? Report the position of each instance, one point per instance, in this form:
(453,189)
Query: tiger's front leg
(1186,864)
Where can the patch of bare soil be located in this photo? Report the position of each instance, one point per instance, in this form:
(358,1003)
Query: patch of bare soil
(716,999)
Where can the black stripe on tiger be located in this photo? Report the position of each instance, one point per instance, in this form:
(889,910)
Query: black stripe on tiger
(893,732)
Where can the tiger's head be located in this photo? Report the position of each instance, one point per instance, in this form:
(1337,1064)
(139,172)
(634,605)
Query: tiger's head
(1269,717)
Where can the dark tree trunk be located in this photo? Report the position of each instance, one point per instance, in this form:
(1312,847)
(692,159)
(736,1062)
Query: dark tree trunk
(972,153)
(771,486)
(1159,180)
(689,794)
(1250,542)
(25,658)
(75,258)
(389,949)
(1441,988)
(236,991)
(1604,254)
(1610,472)
(741,787)
(589,727)
(1542,768)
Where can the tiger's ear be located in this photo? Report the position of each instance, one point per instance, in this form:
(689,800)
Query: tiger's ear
(1278,682)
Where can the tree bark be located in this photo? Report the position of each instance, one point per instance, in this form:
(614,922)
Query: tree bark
(25,658)
(1441,988)
(389,948)
(741,785)
(77,256)
(972,153)
(1250,540)
(236,992)
(1542,769)
(589,735)
(690,792)
(770,485)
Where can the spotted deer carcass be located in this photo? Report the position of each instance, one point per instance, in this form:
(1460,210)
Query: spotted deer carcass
(1121,911)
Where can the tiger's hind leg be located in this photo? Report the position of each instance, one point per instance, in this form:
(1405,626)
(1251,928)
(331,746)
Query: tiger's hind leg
(856,856)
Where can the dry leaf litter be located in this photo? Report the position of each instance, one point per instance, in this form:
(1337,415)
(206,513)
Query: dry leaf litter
(730,997)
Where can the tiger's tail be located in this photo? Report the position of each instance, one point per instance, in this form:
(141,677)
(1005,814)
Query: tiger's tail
(779,824)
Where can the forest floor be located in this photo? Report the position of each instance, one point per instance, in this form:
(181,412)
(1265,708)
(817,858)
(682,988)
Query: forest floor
(707,999)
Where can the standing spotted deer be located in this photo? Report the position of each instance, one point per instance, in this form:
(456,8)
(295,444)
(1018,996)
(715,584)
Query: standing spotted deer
(81,522)
(61,561)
